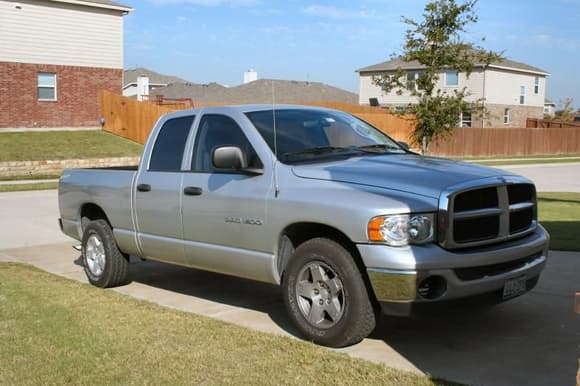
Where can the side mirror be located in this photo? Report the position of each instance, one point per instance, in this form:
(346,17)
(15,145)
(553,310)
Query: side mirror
(404,145)
(229,157)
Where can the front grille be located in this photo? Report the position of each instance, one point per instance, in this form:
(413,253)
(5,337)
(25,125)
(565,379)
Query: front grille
(496,210)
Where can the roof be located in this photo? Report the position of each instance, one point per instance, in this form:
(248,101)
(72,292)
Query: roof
(396,63)
(106,4)
(155,78)
(259,91)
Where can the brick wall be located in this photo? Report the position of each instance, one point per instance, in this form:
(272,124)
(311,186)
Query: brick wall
(38,168)
(77,103)
(518,115)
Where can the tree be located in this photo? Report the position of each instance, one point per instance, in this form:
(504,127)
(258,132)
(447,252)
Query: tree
(566,110)
(437,44)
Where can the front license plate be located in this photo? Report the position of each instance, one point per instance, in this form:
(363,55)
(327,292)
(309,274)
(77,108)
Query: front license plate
(514,287)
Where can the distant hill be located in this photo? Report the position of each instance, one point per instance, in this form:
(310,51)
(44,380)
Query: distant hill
(130,77)
(259,91)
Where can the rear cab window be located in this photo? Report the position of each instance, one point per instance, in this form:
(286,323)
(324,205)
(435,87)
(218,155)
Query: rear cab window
(168,151)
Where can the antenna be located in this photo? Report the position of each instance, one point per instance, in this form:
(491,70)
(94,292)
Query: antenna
(274,165)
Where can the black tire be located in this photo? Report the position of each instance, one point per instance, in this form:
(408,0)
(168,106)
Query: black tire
(104,264)
(343,314)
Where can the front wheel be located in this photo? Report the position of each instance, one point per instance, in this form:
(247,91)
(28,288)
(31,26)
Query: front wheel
(325,294)
(104,264)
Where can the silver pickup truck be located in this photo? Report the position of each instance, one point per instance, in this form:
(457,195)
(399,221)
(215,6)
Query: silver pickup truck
(347,220)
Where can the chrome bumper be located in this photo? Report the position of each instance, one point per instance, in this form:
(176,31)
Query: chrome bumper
(397,275)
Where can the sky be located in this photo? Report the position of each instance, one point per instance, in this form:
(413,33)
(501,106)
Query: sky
(207,41)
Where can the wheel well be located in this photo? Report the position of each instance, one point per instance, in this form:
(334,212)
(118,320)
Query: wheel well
(92,212)
(298,233)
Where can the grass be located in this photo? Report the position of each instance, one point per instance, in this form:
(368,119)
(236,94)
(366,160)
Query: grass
(559,213)
(56,331)
(31,186)
(57,145)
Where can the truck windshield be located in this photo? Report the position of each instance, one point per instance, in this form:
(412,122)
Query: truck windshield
(304,135)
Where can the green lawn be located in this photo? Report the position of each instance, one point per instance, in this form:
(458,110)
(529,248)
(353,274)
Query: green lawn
(56,145)
(57,331)
(559,213)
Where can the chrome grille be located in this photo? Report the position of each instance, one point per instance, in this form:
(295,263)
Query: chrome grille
(487,211)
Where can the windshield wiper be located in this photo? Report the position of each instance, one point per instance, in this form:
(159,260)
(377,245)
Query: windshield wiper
(318,150)
(379,148)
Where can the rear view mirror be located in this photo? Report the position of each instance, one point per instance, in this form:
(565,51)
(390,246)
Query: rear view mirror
(233,158)
(229,157)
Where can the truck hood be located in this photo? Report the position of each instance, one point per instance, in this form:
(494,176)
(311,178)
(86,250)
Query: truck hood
(426,176)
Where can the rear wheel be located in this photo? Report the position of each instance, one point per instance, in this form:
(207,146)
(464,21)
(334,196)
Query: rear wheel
(325,294)
(104,264)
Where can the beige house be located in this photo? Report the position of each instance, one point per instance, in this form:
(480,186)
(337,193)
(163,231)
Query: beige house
(511,91)
(55,57)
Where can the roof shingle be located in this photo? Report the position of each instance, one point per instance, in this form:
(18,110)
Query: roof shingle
(394,64)
(98,3)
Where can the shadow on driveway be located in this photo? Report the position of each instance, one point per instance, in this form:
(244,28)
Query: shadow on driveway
(531,340)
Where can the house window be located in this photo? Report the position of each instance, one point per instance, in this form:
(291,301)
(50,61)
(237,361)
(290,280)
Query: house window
(465,120)
(46,86)
(451,78)
(412,77)
(537,85)
(506,116)
(522,95)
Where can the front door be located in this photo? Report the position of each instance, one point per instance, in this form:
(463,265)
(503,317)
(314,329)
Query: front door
(224,213)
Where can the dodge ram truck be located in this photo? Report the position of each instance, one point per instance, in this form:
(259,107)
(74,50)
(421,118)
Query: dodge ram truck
(348,221)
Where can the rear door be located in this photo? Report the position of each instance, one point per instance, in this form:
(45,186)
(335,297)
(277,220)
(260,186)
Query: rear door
(158,193)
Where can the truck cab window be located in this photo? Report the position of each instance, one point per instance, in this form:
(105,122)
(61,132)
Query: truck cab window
(216,131)
(168,150)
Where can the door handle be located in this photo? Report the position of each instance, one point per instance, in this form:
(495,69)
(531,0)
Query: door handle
(192,191)
(144,187)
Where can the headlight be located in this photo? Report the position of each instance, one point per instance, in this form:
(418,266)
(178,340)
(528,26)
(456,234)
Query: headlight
(402,229)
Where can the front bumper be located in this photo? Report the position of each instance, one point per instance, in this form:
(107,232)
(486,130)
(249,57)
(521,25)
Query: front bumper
(401,277)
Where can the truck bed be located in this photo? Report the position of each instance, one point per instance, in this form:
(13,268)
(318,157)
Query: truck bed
(109,188)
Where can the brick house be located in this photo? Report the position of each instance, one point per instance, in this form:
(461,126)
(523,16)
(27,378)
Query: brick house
(511,91)
(55,56)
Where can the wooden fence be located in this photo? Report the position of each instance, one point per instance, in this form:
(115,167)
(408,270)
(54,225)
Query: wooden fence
(128,117)
(535,123)
(484,142)
(133,120)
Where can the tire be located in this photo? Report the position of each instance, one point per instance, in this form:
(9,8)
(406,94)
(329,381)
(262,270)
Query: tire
(325,294)
(104,264)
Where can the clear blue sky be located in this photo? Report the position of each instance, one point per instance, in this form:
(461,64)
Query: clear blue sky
(217,40)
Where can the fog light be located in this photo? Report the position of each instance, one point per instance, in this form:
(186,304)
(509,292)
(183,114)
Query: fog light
(432,288)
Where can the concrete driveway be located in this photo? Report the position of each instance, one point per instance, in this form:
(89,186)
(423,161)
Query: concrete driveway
(532,340)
